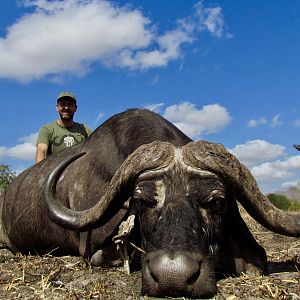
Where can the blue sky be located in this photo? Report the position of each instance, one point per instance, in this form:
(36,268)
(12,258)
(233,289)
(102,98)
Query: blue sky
(226,71)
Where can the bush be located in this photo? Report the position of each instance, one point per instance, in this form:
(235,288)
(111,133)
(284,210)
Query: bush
(295,206)
(6,176)
(283,202)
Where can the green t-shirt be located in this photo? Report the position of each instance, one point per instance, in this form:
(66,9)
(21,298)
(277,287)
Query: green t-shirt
(58,138)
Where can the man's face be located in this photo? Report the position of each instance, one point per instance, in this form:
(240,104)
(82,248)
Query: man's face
(66,109)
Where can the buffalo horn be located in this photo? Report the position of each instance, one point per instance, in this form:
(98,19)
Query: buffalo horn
(151,156)
(215,158)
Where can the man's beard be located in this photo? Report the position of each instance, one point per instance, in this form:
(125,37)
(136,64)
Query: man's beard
(66,116)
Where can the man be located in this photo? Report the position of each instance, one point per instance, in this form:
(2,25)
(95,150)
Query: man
(62,133)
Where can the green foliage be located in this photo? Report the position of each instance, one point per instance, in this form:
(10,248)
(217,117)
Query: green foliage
(283,202)
(295,206)
(6,176)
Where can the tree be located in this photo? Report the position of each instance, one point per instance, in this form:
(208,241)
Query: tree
(6,176)
(283,202)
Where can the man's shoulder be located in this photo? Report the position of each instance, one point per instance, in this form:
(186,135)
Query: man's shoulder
(45,133)
(50,125)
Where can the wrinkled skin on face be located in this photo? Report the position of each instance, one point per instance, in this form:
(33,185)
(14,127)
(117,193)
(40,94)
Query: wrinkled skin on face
(181,220)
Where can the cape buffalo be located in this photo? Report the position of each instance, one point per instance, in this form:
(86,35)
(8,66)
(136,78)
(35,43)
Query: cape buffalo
(182,194)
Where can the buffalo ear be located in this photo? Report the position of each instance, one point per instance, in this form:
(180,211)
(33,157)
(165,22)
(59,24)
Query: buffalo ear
(240,253)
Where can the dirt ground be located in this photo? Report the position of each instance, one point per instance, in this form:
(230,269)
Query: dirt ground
(72,278)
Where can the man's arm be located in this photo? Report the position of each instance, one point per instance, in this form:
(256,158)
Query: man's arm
(41,152)
(43,142)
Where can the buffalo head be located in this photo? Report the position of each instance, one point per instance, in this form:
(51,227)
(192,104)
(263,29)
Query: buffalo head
(190,227)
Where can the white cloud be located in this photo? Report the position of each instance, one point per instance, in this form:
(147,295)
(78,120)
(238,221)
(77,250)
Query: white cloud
(168,49)
(273,175)
(168,45)
(289,184)
(255,123)
(32,138)
(261,157)
(280,169)
(2,151)
(212,19)
(99,117)
(257,151)
(296,123)
(155,79)
(155,107)
(56,38)
(24,151)
(269,171)
(195,122)
(276,121)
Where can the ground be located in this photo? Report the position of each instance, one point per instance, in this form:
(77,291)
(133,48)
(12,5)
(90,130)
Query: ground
(72,278)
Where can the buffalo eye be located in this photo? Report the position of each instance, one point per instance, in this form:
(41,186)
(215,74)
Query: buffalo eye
(144,198)
(213,202)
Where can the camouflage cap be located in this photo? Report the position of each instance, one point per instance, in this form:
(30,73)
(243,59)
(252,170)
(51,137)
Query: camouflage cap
(68,95)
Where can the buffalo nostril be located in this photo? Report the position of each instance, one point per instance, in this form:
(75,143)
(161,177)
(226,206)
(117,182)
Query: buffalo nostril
(155,279)
(192,279)
(150,272)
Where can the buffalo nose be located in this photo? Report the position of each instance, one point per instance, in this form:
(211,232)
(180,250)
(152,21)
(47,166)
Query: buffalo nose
(178,270)
(172,274)
(180,273)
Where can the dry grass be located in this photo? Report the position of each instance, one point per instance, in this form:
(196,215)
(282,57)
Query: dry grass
(72,278)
